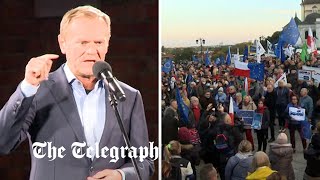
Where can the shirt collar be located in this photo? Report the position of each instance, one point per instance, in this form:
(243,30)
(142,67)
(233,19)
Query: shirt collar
(71,77)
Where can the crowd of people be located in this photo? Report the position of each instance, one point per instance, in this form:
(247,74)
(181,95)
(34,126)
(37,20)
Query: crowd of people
(225,143)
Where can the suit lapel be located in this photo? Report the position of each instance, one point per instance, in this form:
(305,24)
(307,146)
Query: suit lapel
(110,122)
(62,92)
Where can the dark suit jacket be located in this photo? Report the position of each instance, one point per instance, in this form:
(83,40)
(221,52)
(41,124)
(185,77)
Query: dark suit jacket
(51,115)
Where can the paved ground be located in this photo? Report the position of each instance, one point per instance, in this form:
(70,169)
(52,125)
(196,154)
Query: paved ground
(299,163)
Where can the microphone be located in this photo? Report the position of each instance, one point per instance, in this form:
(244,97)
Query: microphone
(102,70)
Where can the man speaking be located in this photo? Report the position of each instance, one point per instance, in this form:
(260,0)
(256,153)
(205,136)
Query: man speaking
(71,106)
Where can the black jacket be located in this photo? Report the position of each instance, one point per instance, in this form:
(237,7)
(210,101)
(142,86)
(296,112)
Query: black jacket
(312,155)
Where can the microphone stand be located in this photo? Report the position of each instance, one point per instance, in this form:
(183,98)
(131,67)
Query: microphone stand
(114,103)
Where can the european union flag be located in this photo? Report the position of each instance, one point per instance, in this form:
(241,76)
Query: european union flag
(245,53)
(182,107)
(222,60)
(217,61)
(306,129)
(207,59)
(194,59)
(228,62)
(256,71)
(279,52)
(290,33)
(247,116)
(167,66)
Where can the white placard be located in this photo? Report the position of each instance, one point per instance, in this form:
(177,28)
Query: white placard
(298,114)
(304,75)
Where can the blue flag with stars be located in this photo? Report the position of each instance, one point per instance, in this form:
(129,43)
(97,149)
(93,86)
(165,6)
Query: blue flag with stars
(182,107)
(222,60)
(290,33)
(194,59)
(217,61)
(228,62)
(306,129)
(256,71)
(167,66)
(245,53)
(207,59)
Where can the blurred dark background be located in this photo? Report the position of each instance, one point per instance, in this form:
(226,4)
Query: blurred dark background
(30,28)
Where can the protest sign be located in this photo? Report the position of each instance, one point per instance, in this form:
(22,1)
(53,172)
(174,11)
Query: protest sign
(297,114)
(257,121)
(246,115)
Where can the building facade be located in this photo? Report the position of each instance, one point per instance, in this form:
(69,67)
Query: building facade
(310,17)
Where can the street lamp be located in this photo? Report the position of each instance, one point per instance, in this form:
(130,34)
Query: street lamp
(201,41)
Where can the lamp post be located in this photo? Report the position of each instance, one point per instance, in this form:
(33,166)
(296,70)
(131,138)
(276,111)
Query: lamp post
(201,41)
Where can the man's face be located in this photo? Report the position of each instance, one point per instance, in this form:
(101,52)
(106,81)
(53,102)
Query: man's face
(269,88)
(174,105)
(84,41)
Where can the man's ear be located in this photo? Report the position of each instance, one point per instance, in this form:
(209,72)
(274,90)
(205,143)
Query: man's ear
(62,44)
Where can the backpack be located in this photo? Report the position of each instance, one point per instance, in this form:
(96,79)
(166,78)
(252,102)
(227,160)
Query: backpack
(222,143)
(175,173)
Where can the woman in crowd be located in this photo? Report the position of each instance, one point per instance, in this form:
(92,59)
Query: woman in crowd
(261,167)
(196,109)
(189,147)
(280,156)
(239,165)
(294,125)
(221,97)
(262,133)
(248,104)
(172,154)
(312,155)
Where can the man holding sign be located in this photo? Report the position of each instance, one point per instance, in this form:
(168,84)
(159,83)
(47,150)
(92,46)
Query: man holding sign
(294,115)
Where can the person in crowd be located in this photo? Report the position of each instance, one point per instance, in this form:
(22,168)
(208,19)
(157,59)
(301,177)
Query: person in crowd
(207,99)
(231,93)
(190,148)
(313,91)
(238,101)
(276,176)
(261,167)
(196,109)
(208,172)
(291,92)
(172,154)
(170,123)
(281,103)
(292,76)
(221,97)
(262,133)
(192,90)
(316,114)
(202,87)
(312,155)
(185,99)
(226,142)
(208,131)
(280,155)
(71,105)
(165,95)
(306,102)
(166,170)
(301,84)
(239,165)
(294,124)
(256,91)
(248,104)
(270,99)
